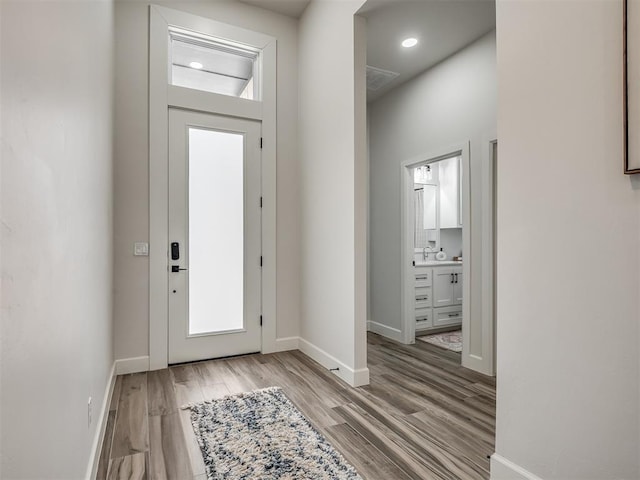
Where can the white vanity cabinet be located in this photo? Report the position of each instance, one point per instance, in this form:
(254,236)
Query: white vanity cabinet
(423,298)
(438,296)
(447,286)
(457,287)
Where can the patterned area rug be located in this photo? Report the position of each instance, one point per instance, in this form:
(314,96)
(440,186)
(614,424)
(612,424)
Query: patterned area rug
(262,435)
(449,340)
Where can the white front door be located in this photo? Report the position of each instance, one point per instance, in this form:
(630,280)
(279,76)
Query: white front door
(214,234)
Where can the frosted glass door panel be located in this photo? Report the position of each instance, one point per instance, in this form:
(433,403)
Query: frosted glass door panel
(216,231)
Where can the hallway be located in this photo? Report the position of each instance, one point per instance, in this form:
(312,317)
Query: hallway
(422,416)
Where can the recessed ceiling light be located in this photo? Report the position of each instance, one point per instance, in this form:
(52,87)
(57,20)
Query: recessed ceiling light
(196,65)
(409,42)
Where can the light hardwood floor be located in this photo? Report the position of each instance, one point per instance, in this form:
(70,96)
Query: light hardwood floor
(422,417)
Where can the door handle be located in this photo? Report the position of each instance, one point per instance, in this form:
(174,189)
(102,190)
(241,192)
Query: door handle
(176,269)
(452,278)
(456,277)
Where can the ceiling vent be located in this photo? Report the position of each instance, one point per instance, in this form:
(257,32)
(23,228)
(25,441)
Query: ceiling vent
(378,78)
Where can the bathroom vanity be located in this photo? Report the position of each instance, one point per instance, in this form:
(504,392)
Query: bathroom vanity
(438,294)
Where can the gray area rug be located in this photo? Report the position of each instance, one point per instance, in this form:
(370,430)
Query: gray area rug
(262,435)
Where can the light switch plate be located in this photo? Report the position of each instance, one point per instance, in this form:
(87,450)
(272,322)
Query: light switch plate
(141,249)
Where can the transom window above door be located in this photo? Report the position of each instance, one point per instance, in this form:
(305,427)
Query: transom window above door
(211,65)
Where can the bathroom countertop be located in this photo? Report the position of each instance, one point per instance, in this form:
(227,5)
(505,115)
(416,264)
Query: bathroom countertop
(436,263)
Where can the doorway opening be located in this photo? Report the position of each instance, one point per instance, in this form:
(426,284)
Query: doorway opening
(424,96)
(434,277)
(431,120)
(212,95)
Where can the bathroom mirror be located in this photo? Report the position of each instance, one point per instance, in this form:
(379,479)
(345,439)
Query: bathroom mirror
(426,232)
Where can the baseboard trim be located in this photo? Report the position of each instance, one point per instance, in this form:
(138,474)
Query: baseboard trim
(98,439)
(355,378)
(479,364)
(384,330)
(286,343)
(360,377)
(503,469)
(132,365)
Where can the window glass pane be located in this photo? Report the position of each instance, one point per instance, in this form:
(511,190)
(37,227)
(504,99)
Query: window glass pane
(216,231)
(212,67)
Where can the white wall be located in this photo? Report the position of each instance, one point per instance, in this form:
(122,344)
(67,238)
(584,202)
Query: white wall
(333,193)
(56,103)
(449,104)
(567,400)
(132,163)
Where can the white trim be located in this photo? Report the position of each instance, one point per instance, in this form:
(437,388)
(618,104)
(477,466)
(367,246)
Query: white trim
(466,262)
(161,95)
(384,330)
(158,191)
(286,344)
(355,378)
(360,201)
(188,99)
(360,377)
(407,253)
(269,133)
(503,469)
(484,361)
(211,28)
(98,439)
(132,365)
(408,324)
(488,261)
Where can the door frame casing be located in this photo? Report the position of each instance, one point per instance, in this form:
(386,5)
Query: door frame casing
(484,359)
(162,96)
(407,251)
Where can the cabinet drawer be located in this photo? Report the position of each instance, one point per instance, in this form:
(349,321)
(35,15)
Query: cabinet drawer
(423,297)
(423,277)
(424,318)
(444,316)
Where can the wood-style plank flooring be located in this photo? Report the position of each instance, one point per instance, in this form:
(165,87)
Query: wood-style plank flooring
(422,417)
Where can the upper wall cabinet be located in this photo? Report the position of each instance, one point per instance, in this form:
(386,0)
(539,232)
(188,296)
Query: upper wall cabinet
(449,176)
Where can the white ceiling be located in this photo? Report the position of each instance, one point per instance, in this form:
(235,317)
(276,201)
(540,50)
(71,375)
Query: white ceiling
(442,27)
(291,8)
